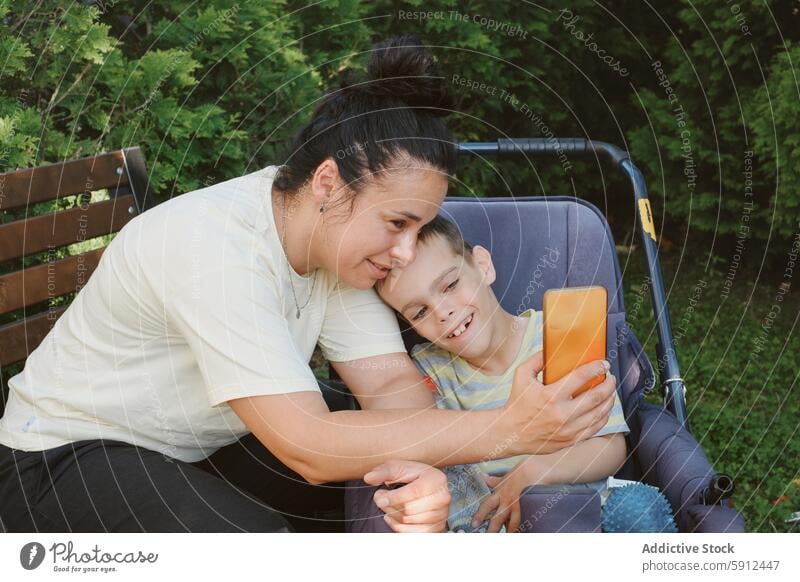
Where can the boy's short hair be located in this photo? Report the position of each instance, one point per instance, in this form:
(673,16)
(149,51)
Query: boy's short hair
(446,229)
(441,226)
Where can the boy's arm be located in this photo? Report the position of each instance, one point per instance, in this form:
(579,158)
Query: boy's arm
(589,460)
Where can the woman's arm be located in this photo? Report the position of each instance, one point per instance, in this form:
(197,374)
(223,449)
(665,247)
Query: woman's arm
(325,446)
(387,381)
(334,446)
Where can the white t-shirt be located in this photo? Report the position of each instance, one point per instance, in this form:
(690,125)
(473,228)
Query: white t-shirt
(190,307)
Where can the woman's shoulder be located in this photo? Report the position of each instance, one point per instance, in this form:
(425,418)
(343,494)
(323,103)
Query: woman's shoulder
(241,196)
(200,231)
(210,216)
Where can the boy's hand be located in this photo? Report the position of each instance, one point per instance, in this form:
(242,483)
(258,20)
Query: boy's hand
(504,500)
(547,418)
(420,506)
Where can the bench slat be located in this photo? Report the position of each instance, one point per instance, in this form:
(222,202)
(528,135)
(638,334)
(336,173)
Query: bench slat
(122,172)
(20,338)
(24,187)
(42,282)
(40,233)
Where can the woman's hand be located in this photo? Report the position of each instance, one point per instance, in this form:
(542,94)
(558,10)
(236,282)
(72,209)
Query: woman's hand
(420,506)
(544,419)
(504,499)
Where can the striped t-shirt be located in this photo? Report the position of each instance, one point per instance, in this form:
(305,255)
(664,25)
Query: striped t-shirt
(459,386)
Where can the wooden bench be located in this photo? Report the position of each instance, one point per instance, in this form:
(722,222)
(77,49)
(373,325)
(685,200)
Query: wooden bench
(36,277)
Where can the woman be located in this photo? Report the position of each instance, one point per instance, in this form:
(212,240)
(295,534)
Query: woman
(175,393)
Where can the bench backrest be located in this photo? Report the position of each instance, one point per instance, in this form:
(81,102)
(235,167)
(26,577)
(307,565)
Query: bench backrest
(32,276)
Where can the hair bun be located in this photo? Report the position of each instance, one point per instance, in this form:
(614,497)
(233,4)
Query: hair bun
(403,68)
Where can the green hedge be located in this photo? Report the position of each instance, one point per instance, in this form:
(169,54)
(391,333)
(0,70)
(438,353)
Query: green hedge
(213,89)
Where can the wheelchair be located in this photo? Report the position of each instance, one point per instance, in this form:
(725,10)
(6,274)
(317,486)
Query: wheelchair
(661,449)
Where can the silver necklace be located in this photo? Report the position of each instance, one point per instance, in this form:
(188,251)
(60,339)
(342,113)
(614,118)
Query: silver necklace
(289,267)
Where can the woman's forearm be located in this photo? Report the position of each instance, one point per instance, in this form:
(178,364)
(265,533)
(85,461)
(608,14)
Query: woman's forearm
(590,460)
(325,446)
(435,437)
(331,446)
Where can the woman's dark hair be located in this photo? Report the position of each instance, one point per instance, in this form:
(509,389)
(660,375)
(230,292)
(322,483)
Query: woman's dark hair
(367,126)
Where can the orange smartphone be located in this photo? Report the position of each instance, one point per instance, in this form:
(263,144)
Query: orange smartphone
(575,320)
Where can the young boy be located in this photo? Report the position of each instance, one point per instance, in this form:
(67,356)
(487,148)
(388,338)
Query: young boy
(445,294)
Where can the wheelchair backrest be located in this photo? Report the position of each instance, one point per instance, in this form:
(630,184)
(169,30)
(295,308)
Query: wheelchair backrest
(539,243)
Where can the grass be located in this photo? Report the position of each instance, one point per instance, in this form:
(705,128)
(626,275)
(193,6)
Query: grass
(739,360)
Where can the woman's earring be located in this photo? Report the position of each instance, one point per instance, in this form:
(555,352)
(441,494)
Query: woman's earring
(321,209)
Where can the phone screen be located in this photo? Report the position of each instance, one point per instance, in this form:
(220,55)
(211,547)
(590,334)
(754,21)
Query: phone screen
(575,320)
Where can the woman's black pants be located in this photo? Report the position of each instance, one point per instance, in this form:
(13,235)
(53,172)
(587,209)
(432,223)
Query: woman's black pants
(111,486)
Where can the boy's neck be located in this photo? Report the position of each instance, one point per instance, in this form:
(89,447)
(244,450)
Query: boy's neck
(506,333)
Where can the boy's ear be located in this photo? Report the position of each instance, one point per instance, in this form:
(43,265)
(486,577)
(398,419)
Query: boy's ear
(483,259)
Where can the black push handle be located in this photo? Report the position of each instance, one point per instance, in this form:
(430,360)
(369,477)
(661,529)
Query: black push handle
(519,147)
(539,146)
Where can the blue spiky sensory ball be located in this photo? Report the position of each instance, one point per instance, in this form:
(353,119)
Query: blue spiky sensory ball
(637,508)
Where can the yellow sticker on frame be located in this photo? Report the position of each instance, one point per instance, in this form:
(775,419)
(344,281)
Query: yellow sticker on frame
(646,216)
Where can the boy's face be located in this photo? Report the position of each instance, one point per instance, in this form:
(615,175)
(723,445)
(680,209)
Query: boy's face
(446,298)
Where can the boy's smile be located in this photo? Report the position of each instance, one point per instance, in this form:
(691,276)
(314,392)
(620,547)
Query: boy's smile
(461,330)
